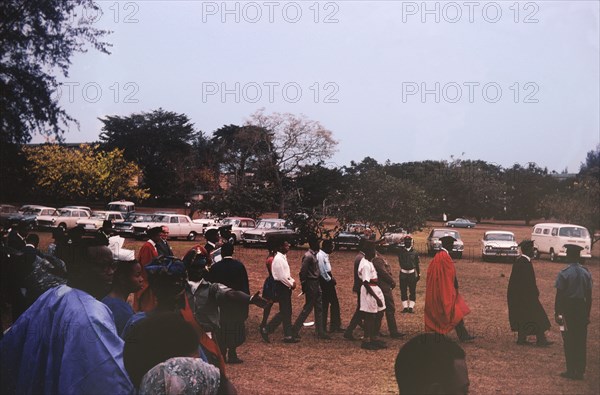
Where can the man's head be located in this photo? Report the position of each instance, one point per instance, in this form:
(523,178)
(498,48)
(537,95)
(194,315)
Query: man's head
(154,233)
(212,235)
(164,232)
(23,228)
(447,242)
(195,263)
(573,252)
(90,264)
(33,239)
(281,245)
(526,247)
(227,249)
(128,276)
(327,246)
(313,243)
(408,241)
(431,363)
(167,277)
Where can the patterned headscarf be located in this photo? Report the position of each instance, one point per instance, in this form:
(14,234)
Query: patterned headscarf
(181,376)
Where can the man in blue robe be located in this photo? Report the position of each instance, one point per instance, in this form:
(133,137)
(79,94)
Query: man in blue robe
(66,342)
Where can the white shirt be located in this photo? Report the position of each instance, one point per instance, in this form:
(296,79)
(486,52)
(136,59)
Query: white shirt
(367,272)
(281,270)
(324,265)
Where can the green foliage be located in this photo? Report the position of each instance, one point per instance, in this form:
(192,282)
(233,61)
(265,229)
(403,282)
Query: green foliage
(37,37)
(237,201)
(161,143)
(84,173)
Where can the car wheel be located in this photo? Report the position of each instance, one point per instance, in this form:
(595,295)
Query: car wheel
(191,236)
(552,256)
(63,226)
(233,238)
(536,253)
(452,225)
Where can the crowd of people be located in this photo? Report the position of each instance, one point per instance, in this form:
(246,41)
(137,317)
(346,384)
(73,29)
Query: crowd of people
(88,318)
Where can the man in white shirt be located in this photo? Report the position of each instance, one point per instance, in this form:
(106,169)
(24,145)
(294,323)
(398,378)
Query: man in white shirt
(284,286)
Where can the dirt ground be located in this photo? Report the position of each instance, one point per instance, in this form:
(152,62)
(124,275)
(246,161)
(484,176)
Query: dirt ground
(496,364)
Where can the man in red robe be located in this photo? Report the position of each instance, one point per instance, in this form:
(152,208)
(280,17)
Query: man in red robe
(144,299)
(444,306)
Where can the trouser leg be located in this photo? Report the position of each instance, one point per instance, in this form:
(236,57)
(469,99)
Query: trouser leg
(412,288)
(326,297)
(266,313)
(336,319)
(285,310)
(461,331)
(312,296)
(390,312)
(356,318)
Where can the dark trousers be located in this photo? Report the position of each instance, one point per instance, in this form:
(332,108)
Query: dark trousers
(285,311)
(575,337)
(390,311)
(461,331)
(329,295)
(313,301)
(372,324)
(356,318)
(408,286)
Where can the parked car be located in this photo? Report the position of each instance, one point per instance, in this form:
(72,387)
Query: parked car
(350,236)
(179,226)
(86,208)
(499,244)
(239,225)
(125,228)
(267,228)
(550,238)
(434,244)
(123,206)
(460,223)
(6,210)
(29,215)
(393,239)
(94,222)
(207,223)
(64,217)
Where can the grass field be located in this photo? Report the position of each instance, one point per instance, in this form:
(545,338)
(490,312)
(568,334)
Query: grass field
(496,364)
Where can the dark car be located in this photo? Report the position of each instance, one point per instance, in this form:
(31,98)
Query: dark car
(267,228)
(125,228)
(349,237)
(434,244)
(6,211)
(460,223)
(29,215)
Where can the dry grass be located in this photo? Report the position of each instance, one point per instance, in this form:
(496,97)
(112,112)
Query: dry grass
(496,364)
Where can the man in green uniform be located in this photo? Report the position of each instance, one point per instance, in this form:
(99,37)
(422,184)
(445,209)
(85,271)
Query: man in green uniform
(572,311)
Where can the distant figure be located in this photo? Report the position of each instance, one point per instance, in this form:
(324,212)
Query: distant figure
(162,246)
(231,273)
(572,307)
(385,280)
(16,236)
(410,274)
(309,278)
(357,317)
(212,237)
(269,289)
(431,363)
(525,312)
(144,299)
(372,300)
(444,306)
(328,283)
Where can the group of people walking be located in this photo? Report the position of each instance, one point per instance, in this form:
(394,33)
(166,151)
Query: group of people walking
(162,317)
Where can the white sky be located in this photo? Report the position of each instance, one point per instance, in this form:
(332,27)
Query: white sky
(366,66)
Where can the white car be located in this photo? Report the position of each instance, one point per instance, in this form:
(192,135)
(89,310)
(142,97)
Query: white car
(207,223)
(499,244)
(65,218)
(94,222)
(239,225)
(179,226)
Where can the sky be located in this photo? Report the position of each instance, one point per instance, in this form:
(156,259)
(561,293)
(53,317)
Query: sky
(506,82)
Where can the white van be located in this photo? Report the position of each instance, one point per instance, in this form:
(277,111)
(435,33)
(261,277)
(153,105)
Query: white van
(121,205)
(550,238)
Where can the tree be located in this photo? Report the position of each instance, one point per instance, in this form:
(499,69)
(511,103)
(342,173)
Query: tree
(245,202)
(84,173)
(37,37)
(293,142)
(382,201)
(161,143)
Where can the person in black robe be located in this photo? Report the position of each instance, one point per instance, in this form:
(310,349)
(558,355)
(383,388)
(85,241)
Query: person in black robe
(525,312)
(231,273)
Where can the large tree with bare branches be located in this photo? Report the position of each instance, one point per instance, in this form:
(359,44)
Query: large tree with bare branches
(294,141)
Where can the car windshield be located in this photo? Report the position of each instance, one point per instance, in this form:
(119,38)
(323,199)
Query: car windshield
(441,233)
(161,218)
(499,237)
(32,211)
(64,213)
(270,224)
(98,216)
(572,231)
(143,218)
(230,221)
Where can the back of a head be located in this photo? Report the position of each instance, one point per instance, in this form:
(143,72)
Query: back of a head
(155,339)
(227,249)
(427,361)
(33,239)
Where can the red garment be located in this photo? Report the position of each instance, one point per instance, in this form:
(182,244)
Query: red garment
(444,307)
(208,344)
(144,299)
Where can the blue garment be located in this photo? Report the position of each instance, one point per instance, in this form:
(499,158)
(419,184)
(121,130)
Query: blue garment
(134,319)
(575,281)
(121,310)
(65,343)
